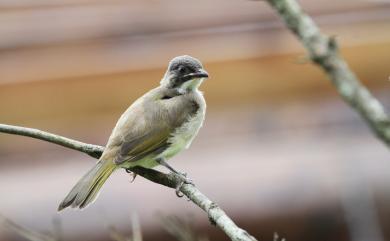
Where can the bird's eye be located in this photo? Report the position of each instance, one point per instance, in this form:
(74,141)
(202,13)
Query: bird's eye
(182,69)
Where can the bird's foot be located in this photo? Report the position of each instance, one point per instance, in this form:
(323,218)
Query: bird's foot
(132,174)
(183,180)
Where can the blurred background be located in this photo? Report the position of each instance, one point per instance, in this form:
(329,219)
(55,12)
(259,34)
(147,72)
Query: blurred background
(279,151)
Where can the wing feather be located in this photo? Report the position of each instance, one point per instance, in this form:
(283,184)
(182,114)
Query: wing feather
(147,125)
(154,141)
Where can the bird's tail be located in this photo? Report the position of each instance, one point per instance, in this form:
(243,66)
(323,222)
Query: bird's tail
(87,188)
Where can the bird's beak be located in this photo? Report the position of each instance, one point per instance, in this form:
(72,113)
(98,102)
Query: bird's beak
(201,74)
(198,74)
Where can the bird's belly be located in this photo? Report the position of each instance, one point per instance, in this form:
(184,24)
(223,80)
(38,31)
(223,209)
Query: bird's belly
(183,135)
(146,162)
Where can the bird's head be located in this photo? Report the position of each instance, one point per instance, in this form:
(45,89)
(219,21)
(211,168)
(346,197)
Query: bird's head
(184,73)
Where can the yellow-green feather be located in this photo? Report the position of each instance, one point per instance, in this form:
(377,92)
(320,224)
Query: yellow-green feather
(87,188)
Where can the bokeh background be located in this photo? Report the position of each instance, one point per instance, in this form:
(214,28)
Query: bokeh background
(279,151)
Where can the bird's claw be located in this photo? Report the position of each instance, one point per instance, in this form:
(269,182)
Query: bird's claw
(177,191)
(132,174)
(183,180)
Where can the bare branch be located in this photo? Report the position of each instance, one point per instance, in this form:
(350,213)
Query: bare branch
(323,51)
(216,215)
(92,150)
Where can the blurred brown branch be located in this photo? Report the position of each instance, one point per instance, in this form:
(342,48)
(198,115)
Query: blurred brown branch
(24,232)
(216,215)
(323,51)
(181,229)
(136,231)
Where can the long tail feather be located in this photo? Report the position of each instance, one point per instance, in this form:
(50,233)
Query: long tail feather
(87,189)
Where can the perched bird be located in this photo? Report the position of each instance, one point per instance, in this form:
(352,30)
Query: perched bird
(157,126)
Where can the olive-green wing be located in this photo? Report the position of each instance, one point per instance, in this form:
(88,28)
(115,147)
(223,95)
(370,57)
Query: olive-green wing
(134,148)
(145,128)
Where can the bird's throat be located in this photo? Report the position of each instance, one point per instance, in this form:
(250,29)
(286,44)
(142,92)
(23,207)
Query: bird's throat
(190,85)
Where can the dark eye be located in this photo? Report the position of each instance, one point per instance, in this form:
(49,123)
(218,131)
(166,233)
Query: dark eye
(182,69)
(166,97)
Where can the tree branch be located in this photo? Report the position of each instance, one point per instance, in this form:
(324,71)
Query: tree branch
(216,215)
(323,51)
(92,150)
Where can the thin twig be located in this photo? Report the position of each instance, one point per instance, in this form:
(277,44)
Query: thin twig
(57,229)
(115,235)
(26,233)
(216,215)
(323,51)
(136,228)
(180,229)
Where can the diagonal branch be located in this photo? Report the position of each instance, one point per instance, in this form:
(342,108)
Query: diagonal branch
(216,215)
(323,51)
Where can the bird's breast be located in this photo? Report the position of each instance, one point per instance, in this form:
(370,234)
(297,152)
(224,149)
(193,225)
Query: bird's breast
(183,135)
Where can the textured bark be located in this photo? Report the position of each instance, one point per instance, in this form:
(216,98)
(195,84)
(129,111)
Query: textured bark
(323,51)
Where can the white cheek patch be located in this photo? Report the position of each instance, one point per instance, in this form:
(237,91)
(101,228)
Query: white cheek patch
(190,85)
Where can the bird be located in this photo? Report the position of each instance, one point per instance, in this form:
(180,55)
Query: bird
(153,129)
